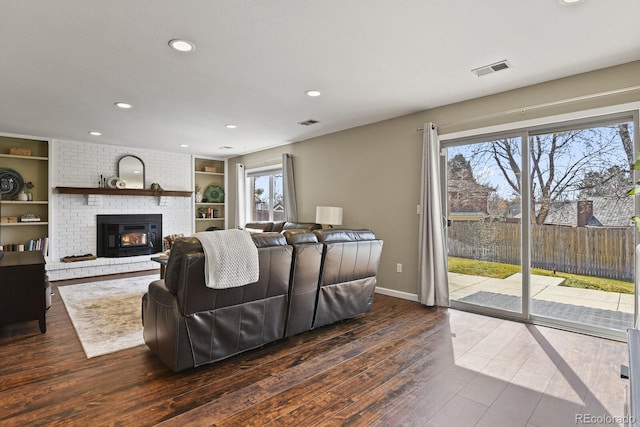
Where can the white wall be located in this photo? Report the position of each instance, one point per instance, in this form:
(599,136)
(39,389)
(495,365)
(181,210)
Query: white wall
(73,216)
(373,171)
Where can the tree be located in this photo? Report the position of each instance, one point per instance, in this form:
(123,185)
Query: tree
(464,192)
(497,206)
(258,192)
(612,182)
(559,163)
(460,168)
(627,142)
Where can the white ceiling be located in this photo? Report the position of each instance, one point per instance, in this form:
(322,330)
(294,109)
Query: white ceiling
(64,63)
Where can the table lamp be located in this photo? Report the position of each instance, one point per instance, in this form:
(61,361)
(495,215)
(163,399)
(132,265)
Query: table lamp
(329,216)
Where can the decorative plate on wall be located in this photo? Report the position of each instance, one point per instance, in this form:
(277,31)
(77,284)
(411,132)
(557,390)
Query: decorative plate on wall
(214,194)
(11,183)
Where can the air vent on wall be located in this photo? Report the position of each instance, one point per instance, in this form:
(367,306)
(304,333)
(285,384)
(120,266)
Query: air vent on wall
(308,122)
(492,68)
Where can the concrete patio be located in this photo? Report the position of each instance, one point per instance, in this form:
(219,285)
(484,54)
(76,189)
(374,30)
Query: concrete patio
(545,290)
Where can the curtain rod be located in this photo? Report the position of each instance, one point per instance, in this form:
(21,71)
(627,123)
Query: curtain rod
(523,110)
(266,162)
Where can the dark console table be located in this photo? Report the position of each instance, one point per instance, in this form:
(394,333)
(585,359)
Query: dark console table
(23,285)
(162,260)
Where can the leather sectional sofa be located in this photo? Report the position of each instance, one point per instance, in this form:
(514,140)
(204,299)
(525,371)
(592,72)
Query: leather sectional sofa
(280,226)
(307,279)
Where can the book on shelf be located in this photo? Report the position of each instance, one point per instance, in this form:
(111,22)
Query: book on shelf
(41,244)
(29,218)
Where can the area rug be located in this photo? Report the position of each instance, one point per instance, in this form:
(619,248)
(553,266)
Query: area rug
(589,315)
(107,314)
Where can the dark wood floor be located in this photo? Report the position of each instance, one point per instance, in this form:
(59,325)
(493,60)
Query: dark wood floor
(370,370)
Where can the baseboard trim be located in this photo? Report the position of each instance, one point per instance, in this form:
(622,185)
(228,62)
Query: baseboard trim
(397,294)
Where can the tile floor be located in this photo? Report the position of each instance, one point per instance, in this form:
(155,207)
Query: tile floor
(513,374)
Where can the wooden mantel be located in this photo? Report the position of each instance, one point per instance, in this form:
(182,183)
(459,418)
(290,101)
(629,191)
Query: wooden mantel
(122,192)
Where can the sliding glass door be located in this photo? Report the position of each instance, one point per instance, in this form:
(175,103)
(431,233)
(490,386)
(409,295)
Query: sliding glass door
(540,224)
(582,237)
(483,187)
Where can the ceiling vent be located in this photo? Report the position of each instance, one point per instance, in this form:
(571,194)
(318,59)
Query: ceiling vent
(308,122)
(492,68)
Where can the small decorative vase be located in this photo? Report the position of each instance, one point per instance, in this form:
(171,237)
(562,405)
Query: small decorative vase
(22,196)
(30,196)
(198,197)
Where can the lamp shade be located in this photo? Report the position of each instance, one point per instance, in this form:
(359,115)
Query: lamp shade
(330,215)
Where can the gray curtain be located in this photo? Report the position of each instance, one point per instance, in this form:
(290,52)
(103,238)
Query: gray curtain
(290,203)
(241,196)
(433,285)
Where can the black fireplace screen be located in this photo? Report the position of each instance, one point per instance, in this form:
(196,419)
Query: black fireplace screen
(129,235)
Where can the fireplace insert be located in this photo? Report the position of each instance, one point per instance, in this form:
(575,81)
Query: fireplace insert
(129,235)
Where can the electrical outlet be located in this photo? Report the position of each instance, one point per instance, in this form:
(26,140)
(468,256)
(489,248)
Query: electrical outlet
(399,268)
(418,209)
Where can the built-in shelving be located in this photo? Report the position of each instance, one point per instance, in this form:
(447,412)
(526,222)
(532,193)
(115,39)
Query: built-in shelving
(25,224)
(209,214)
(18,157)
(32,168)
(25,203)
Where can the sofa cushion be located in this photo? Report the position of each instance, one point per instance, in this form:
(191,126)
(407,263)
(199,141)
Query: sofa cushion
(260,225)
(278,226)
(275,258)
(348,278)
(263,240)
(336,235)
(299,235)
(305,275)
(302,225)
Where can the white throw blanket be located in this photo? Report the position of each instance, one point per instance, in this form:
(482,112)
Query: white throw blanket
(231,258)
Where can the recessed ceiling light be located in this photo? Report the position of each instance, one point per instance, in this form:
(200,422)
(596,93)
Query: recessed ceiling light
(184,145)
(313,93)
(230,126)
(569,2)
(182,45)
(95,133)
(225,147)
(123,105)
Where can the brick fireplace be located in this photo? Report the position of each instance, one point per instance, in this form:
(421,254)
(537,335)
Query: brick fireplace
(73,216)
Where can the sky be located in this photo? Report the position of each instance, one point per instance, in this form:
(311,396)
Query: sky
(584,151)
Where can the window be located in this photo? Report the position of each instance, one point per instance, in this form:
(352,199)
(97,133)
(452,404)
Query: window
(266,195)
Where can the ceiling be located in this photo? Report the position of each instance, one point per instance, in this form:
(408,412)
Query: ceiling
(66,62)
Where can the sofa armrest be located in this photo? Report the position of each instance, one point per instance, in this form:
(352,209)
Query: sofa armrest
(165,330)
(158,291)
(174,272)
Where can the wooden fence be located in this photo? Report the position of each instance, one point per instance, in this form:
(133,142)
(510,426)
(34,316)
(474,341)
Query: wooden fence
(592,251)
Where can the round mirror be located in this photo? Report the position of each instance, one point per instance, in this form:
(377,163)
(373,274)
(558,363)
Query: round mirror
(131,171)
